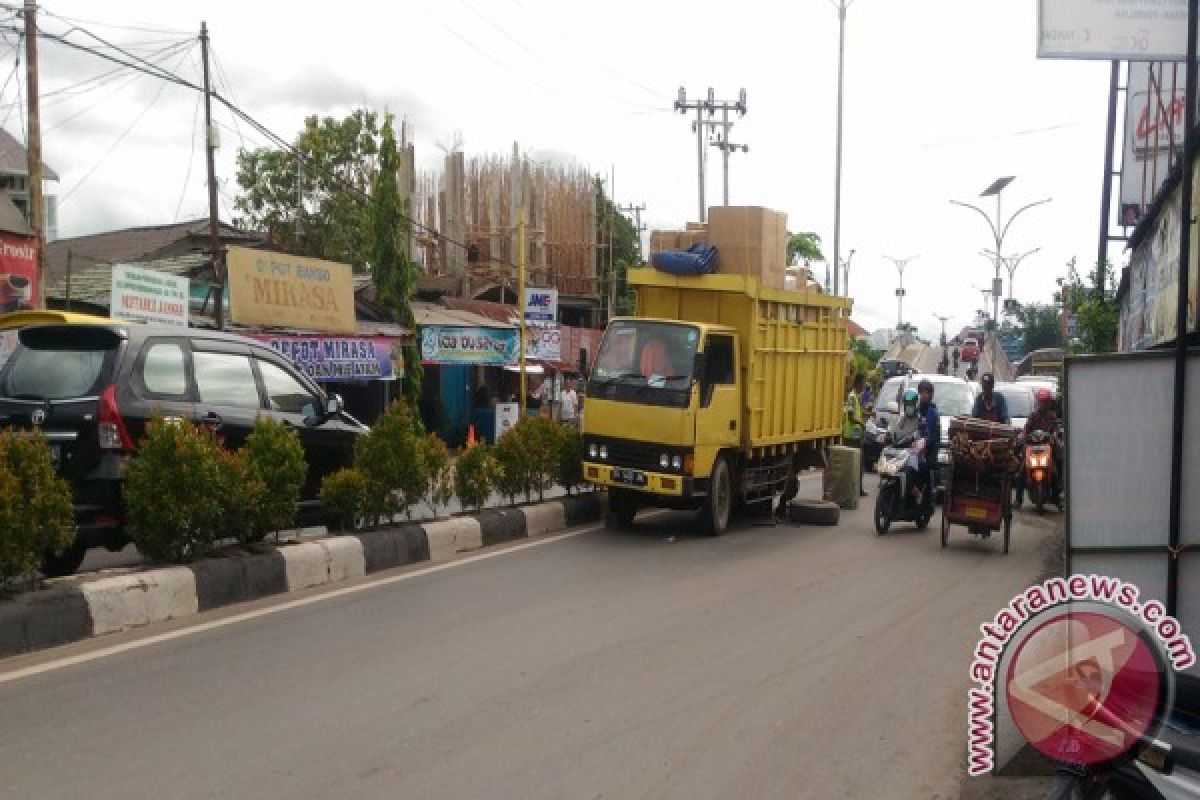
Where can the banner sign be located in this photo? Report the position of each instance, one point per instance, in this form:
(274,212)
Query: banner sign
(1153,129)
(284,291)
(1104,30)
(489,347)
(143,295)
(18,273)
(541,306)
(544,344)
(340,358)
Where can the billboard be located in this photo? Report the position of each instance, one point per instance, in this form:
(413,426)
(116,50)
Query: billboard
(544,344)
(1153,137)
(541,306)
(341,358)
(1132,30)
(143,295)
(486,347)
(285,291)
(18,273)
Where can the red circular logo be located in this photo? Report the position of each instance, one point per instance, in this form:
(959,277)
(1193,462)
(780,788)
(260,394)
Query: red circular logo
(1084,687)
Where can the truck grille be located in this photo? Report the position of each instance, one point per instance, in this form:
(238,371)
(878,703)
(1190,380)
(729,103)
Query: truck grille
(628,453)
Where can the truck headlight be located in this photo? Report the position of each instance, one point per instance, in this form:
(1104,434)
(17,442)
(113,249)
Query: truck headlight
(604,452)
(677,462)
(592,451)
(664,461)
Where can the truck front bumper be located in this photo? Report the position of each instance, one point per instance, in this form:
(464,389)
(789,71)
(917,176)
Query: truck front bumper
(663,484)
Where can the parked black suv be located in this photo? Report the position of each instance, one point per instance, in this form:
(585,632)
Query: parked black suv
(92,389)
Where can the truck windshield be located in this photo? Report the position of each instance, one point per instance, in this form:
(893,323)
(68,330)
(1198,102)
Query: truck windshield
(647,362)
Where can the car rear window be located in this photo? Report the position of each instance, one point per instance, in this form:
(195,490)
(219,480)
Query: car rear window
(48,372)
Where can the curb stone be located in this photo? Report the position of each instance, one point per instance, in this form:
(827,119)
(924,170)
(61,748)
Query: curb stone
(74,609)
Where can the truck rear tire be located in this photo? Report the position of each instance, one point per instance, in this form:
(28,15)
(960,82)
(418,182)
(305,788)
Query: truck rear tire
(719,503)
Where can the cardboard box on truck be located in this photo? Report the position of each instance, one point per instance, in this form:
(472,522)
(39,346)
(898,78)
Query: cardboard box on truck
(662,241)
(750,240)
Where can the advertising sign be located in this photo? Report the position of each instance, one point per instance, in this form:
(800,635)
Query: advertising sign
(541,306)
(143,295)
(1153,128)
(544,344)
(488,347)
(1133,30)
(286,291)
(18,273)
(341,358)
(507,416)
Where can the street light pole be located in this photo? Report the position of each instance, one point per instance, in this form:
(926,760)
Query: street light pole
(999,228)
(1011,263)
(846,285)
(841,6)
(900,263)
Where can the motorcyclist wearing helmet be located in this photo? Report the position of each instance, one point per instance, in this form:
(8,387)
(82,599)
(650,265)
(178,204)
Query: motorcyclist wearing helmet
(930,429)
(1044,418)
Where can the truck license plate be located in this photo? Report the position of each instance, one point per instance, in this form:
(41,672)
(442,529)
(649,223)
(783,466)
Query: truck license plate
(633,477)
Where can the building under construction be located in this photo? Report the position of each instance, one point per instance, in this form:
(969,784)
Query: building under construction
(467,234)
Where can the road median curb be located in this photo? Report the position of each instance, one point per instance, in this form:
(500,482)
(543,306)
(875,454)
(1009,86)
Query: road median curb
(82,606)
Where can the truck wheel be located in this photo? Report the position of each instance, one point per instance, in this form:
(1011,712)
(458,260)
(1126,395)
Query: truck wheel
(622,508)
(813,512)
(720,499)
(63,562)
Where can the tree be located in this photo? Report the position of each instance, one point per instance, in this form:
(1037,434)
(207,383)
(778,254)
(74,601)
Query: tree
(1039,325)
(805,246)
(393,272)
(313,200)
(1094,307)
(614,231)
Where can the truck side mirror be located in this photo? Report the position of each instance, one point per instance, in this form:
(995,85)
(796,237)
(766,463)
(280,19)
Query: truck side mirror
(700,367)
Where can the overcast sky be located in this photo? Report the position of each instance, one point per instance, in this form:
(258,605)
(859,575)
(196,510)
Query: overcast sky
(942,96)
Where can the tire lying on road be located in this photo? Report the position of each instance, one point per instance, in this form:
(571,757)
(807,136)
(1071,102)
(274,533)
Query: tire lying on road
(803,511)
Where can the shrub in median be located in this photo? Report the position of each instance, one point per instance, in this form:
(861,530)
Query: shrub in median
(274,457)
(542,437)
(513,459)
(438,470)
(570,457)
(35,505)
(390,458)
(176,491)
(344,495)
(475,476)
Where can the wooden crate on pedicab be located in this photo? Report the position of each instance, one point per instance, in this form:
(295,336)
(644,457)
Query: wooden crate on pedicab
(979,446)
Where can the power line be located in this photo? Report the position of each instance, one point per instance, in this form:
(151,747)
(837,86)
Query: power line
(191,157)
(138,28)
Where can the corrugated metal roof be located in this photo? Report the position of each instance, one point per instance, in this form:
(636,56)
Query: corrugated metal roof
(14,158)
(93,284)
(500,312)
(429,314)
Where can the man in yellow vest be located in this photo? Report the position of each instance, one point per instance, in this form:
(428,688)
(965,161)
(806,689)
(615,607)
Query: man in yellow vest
(853,426)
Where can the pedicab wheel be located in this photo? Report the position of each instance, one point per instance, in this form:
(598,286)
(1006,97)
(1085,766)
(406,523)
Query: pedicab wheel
(945,528)
(1007,533)
(922,520)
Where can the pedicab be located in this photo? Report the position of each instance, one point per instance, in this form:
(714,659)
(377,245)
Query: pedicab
(978,487)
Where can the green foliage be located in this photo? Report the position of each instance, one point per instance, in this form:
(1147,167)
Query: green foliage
(1039,326)
(1095,308)
(35,505)
(513,460)
(390,457)
(242,499)
(344,495)
(570,457)
(529,455)
(804,247)
(333,167)
(615,232)
(475,475)
(439,471)
(176,491)
(273,456)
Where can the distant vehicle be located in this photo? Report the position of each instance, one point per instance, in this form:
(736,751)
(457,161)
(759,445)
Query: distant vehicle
(1046,362)
(92,388)
(970,350)
(891,367)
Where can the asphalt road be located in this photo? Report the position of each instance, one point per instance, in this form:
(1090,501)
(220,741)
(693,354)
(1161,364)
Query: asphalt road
(929,357)
(783,662)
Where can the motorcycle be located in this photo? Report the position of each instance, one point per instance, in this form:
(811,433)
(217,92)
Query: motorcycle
(898,498)
(1037,477)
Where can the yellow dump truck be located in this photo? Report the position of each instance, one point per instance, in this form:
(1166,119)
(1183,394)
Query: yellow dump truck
(715,393)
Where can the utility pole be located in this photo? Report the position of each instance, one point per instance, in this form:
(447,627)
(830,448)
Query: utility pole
(37,207)
(710,104)
(722,142)
(900,263)
(1011,263)
(521,306)
(841,6)
(210,147)
(636,211)
(846,285)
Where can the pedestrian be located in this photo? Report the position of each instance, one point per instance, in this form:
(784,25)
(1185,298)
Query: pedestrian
(853,427)
(569,404)
(930,429)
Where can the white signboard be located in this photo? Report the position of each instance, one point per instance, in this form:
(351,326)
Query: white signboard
(1153,126)
(1134,30)
(507,415)
(541,306)
(143,295)
(544,344)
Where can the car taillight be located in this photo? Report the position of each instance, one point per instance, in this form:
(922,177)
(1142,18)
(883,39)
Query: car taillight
(111,427)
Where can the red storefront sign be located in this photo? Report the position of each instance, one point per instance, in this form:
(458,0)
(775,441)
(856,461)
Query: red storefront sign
(18,272)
